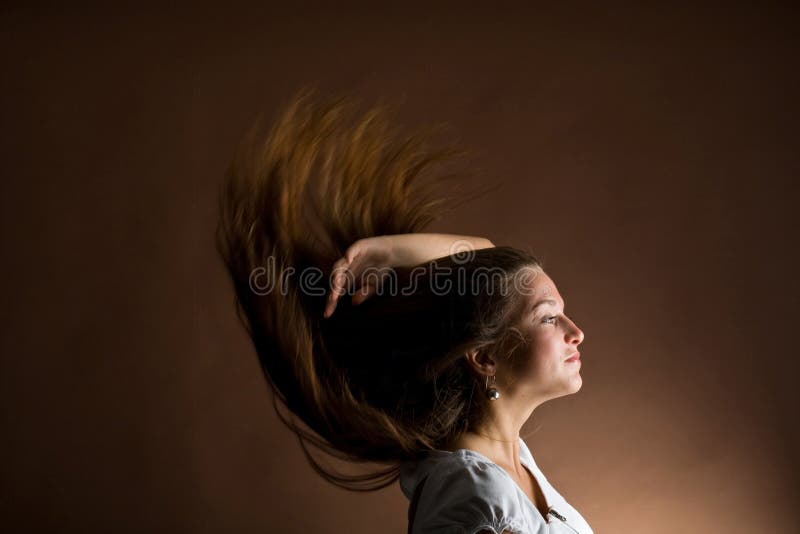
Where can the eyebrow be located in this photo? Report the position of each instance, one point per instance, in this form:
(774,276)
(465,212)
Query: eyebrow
(546,301)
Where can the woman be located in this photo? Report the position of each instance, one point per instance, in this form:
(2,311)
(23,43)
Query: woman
(445,347)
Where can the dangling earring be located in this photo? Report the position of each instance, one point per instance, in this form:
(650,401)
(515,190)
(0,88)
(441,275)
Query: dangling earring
(492,392)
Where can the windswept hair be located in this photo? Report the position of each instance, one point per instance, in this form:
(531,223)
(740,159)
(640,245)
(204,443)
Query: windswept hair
(384,381)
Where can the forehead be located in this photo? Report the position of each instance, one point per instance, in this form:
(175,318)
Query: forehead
(536,285)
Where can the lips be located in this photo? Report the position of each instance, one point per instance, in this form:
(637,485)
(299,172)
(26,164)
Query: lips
(575,357)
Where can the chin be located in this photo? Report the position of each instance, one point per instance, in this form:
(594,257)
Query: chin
(571,387)
(575,385)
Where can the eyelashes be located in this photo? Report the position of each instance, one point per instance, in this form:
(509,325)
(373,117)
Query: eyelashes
(547,320)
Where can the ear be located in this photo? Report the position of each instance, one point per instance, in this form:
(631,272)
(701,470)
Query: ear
(480,363)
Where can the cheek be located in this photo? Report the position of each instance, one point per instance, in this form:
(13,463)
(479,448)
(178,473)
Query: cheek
(541,365)
(540,355)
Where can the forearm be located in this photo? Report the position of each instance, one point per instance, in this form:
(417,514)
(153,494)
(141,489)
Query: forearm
(413,249)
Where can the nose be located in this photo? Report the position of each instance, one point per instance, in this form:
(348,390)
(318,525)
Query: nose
(574,334)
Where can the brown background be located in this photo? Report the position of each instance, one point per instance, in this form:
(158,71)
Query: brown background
(648,155)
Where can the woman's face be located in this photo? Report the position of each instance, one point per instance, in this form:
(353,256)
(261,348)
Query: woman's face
(550,366)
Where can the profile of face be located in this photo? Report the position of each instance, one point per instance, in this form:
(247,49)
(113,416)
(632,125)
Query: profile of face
(549,367)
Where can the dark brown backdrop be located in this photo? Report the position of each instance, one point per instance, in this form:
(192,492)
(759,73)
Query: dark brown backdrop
(648,155)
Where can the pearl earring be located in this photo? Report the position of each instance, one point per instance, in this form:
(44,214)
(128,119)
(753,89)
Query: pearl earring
(492,392)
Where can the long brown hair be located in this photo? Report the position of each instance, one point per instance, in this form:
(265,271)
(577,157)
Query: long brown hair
(386,380)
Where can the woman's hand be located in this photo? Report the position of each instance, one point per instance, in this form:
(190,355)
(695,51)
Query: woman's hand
(374,253)
(380,253)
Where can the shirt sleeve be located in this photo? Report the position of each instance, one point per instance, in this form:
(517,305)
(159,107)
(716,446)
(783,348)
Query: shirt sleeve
(465,498)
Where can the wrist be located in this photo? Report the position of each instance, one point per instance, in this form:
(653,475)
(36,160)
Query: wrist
(407,250)
(402,250)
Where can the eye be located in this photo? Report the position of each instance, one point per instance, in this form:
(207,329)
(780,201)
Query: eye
(550,320)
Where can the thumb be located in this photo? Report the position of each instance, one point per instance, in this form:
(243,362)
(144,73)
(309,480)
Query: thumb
(363,293)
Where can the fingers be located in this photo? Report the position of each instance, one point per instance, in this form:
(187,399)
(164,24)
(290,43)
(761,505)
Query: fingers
(364,292)
(344,276)
(369,289)
(338,285)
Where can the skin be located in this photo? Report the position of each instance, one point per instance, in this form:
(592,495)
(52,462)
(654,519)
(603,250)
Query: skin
(540,374)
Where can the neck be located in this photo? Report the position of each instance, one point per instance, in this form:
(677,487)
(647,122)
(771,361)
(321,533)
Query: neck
(495,439)
(503,452)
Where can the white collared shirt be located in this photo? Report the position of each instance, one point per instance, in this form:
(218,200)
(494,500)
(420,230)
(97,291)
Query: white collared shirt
(465,492)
